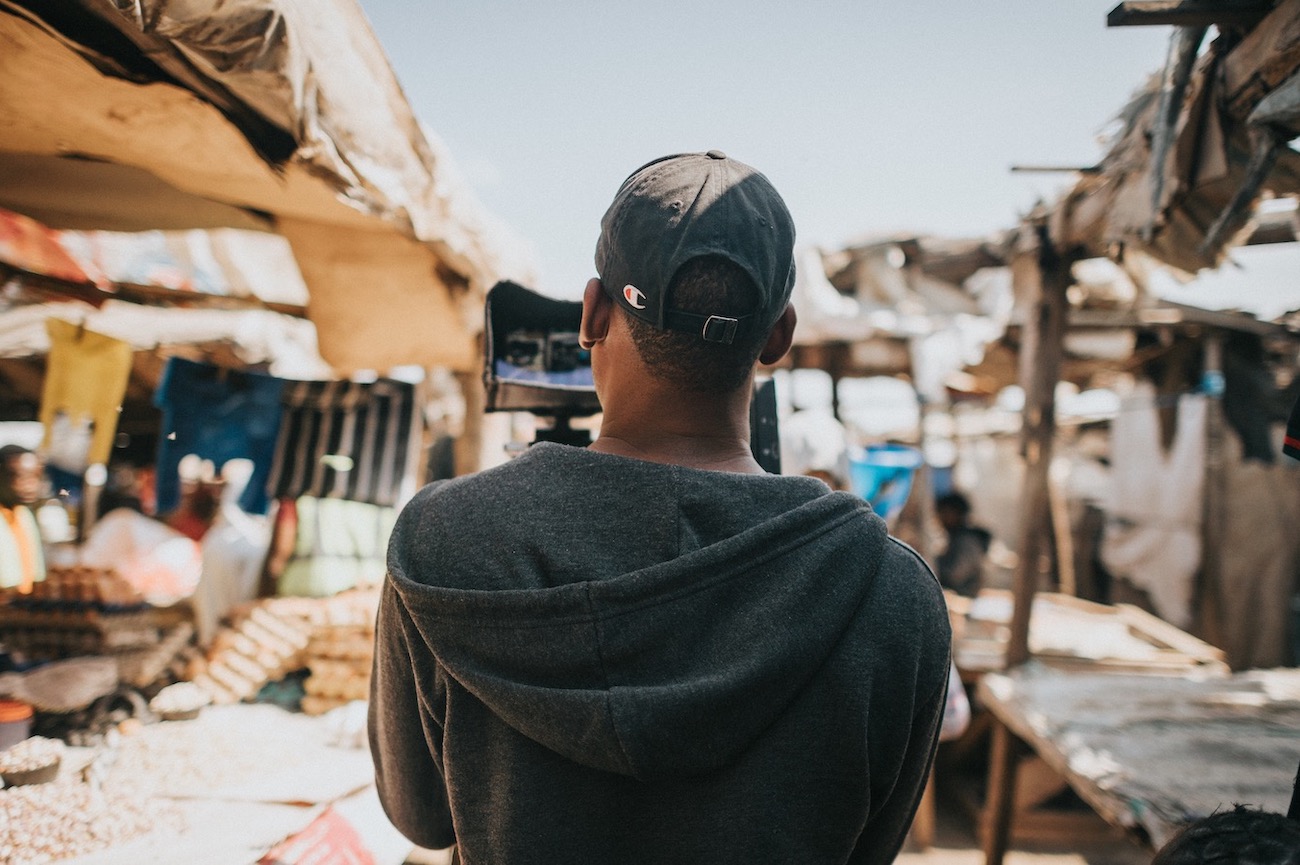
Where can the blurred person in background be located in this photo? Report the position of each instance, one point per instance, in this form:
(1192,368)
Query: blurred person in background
(961,564)
(22,560)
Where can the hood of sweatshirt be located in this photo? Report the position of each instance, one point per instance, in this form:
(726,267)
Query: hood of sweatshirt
(637,618)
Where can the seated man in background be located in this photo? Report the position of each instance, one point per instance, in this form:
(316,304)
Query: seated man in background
(961,564)
(22,560)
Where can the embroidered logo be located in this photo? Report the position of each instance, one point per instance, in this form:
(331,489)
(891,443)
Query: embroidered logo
(633,296)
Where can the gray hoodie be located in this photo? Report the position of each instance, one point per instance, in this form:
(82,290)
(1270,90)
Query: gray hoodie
(593,659)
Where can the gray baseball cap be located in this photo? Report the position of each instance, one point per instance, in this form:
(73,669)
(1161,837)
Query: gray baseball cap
(681,207)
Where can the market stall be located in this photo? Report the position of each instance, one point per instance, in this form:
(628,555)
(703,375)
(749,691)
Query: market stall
(185,242)
(1151,753)
(1198,148)
(259,115)
(1068,635)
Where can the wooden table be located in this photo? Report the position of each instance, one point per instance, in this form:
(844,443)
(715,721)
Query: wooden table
(1070,633)
(1065,633)
(1152,752)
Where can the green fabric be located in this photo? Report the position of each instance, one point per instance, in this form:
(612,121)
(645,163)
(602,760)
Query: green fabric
(340,544)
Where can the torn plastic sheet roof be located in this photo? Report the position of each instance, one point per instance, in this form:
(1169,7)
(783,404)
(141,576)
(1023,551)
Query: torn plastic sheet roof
(220,261)
(305,82)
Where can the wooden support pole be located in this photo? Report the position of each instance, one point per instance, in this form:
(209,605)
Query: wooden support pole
(995,828)
(1040,368)
(469,444)
(923,823)
(1042,278)
(923,489)
(835,369)
(1210,597)
(418,444)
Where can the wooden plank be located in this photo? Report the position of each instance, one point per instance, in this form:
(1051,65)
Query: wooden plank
(1175,638)
(1061,629)
(1264,59)
(1034,826)
(1036,783)
(145,295)
(1187,13)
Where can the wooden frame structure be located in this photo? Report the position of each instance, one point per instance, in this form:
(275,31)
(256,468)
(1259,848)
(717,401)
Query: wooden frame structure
(1258,51)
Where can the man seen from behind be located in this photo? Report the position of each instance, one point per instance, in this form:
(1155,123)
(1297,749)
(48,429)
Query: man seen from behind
(648,650)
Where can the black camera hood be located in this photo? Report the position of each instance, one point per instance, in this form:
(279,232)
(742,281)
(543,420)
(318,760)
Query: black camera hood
(511,307)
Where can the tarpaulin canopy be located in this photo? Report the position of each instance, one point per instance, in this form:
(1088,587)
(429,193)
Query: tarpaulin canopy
(258,114)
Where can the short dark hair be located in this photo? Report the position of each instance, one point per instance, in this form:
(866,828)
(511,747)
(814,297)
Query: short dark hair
(9,453)
(707,284)
(955,501)
(1242,836)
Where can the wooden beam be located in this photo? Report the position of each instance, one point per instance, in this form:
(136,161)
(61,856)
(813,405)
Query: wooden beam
(156,295)
(146,295)
(1188,13)
(469,444)
(1170,314)
(1056,169)
(1267,56)
(1046,276)
(1042,276)
(1062,533)
(1210,583)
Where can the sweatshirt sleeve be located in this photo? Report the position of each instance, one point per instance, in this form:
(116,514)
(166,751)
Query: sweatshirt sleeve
(931,641)
(405,739)
(895,818)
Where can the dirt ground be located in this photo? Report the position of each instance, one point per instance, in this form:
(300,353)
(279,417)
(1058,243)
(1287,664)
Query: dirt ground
(955,844)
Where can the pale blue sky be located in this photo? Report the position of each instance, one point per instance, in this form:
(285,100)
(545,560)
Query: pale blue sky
(869,117)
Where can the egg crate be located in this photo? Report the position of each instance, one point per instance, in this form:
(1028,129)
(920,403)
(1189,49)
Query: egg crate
(81,587)
(53,634)
(260,644)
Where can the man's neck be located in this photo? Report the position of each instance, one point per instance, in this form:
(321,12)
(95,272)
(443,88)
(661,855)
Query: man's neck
(716,456)
(702,432)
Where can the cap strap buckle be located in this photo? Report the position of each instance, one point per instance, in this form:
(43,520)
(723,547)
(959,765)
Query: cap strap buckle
(720,328)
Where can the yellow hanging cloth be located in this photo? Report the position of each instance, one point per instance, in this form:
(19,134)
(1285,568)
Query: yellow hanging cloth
(85,380)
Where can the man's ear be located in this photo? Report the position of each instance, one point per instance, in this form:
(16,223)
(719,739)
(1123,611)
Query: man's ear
(781,337)
(596,307)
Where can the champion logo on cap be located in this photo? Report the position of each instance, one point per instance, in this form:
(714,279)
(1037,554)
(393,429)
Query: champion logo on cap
(633,296)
